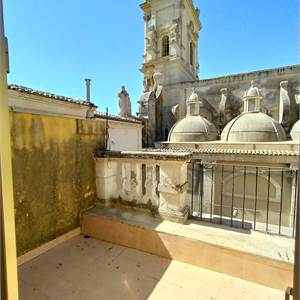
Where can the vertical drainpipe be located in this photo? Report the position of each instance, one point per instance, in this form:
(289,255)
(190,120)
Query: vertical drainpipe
(88,89)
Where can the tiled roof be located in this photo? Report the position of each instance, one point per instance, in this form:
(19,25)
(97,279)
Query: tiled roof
(131,119)
(236,151)
(24,89)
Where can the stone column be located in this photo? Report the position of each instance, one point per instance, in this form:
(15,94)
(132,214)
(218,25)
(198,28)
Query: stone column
(173,191)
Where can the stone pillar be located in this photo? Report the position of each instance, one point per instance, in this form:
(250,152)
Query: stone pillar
(106,178)
(173,191)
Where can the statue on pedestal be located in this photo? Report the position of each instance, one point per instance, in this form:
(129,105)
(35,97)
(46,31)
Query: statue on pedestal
(124,103)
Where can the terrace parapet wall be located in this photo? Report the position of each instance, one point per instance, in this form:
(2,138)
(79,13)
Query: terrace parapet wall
(157,181)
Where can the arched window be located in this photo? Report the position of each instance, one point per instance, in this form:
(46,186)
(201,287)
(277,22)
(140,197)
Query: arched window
(165,46)
(191,53)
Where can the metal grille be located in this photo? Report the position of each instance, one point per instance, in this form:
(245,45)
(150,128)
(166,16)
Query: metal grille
(245,196)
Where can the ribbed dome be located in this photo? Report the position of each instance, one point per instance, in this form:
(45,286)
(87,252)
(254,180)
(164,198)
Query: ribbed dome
(193,129)
(295,132)
(253,127)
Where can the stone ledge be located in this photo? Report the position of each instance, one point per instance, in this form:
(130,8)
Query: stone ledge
(256,259)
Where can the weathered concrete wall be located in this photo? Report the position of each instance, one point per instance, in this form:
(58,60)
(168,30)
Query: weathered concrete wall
(53,173)
(125,136)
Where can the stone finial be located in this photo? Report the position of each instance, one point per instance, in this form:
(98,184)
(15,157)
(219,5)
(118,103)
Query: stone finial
(284,84)
(224,91)
(124,103)
(222,106)
(297,96)
(284,103)
(175,112)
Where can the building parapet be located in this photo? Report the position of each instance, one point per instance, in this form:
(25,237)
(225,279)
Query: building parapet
(152,180)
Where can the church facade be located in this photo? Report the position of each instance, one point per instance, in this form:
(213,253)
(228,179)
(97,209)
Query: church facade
(171,67)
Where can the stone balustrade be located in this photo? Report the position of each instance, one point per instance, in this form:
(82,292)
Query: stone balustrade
(153,180)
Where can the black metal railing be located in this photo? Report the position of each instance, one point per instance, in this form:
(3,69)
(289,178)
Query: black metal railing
(262,198)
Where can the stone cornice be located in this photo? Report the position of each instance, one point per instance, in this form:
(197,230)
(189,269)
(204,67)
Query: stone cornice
(166,60)
(293,69)
(195,14)
(145,6)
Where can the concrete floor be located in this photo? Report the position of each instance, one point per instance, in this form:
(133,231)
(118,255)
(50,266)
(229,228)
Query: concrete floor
(90,269)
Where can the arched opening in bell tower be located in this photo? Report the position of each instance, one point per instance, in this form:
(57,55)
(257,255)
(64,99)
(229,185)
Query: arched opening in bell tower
(165,46)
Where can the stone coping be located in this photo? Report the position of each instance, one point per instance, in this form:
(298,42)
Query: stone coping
(154,155)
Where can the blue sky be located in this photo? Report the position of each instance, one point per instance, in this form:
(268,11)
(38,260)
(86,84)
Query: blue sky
(54,45)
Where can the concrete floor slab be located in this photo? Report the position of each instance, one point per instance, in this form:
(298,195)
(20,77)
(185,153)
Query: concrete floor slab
(90,269)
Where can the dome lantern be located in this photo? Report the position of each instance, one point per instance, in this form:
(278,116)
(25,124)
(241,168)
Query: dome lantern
(252,98)
(193,104)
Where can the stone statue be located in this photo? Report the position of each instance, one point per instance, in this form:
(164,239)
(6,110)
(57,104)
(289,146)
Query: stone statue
(124,103)
(175,31)
(157,88)
(151,39)
(284,105)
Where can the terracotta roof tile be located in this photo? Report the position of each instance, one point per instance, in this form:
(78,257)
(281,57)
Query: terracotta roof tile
(131,119)
(24,89)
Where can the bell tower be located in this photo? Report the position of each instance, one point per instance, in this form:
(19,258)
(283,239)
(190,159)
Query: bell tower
(170,42)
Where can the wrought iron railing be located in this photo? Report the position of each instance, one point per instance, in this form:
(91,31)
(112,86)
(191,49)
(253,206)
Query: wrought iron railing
(262,198)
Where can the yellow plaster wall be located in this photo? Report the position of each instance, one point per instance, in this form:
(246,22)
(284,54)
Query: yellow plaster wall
(53,173)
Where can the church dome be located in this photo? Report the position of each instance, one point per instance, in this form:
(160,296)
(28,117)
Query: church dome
(193,129)
(295,132)
(254,127)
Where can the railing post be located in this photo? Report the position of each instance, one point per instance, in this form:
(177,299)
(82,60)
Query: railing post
(173,190)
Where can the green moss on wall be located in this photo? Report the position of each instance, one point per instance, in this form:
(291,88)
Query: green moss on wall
(53,173)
